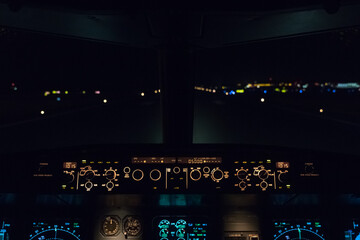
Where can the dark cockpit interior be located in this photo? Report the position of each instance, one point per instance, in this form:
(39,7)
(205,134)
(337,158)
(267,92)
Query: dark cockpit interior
(183,120)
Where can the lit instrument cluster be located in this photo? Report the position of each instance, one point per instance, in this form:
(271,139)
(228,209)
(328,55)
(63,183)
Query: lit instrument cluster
(180,228)
(174,174)
(291,230)
(46,231)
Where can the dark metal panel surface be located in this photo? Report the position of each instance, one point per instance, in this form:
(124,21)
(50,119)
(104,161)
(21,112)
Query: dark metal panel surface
(126,29)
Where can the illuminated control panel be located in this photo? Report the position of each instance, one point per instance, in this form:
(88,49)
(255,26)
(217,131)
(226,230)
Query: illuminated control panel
(176,174)
(352,231)
(55,230)
(5,230)
(298,229)
(180,228)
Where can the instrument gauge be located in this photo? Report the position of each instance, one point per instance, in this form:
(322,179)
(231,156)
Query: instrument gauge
(180,224)
(294,230)
(132,226)
(164,224)
(110,226)
(44,231)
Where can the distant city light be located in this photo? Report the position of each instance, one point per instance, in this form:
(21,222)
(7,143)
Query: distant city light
(46,93)
(232,92)
(321,110)
(15,88)
(97,92)
(58,99)
(214,91)
(83,92)
(105,101)
(226,93)
(334,91)
(13,84)
(240,90)
(262,99)
(156,91)
(301,91)
(159,90)
(142,94)
(42,112)
(265,91)
(66,92)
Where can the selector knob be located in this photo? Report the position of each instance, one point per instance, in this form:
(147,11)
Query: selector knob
(283,177)
(242,174)
(137,175)
(263,174)
(88,185)
(195,174)
(176,170)
(217,174)
(110,174)
(309,169)
(110,185)
(264,185)
(68,177)
(155,175)
(242,185)
(90,174)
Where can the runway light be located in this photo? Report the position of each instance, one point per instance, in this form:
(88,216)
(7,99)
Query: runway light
(105,101)
(262,99)
(142,94)
(42,112)
(321,110)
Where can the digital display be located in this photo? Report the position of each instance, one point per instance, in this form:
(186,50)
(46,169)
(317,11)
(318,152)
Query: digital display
(55,230)
(4,230)
(180,228)
(298,229)
(352,231)
(153,160)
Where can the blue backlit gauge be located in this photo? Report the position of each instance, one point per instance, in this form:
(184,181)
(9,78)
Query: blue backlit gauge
(55,232)
(295,233)
(164,224)
(180,224)
(164,233)
(180,233)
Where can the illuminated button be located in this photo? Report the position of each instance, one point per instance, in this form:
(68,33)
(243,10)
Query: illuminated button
(137,175)
(217,174)
(242,174)
(176,170)
(264,185)
(195,175)
(127,169)
(155,175)
(206,169)
(88,185)
(110,186)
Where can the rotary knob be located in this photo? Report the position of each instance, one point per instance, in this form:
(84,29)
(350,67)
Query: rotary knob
(242,185)
(110,174)
(242,174)
(89,174)
(195,174)
(217,174)
(110,185)
(263,174)
(283,177)
(137,175)
(264,185)
(88,185)
(69,177)
(155,175)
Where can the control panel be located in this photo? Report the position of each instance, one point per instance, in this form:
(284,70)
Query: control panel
(180,228)
(162,174)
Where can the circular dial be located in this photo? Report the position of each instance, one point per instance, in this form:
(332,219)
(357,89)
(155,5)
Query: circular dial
(296,233)
(195,174)
(217,174)
(155,175)
(164,233)
(263,174)
(137,175)
(180,233)
(110,226)
(110,174)
(164,224)
(132,226)
(180,224)
(242,174)
(55,232)
(90,174)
